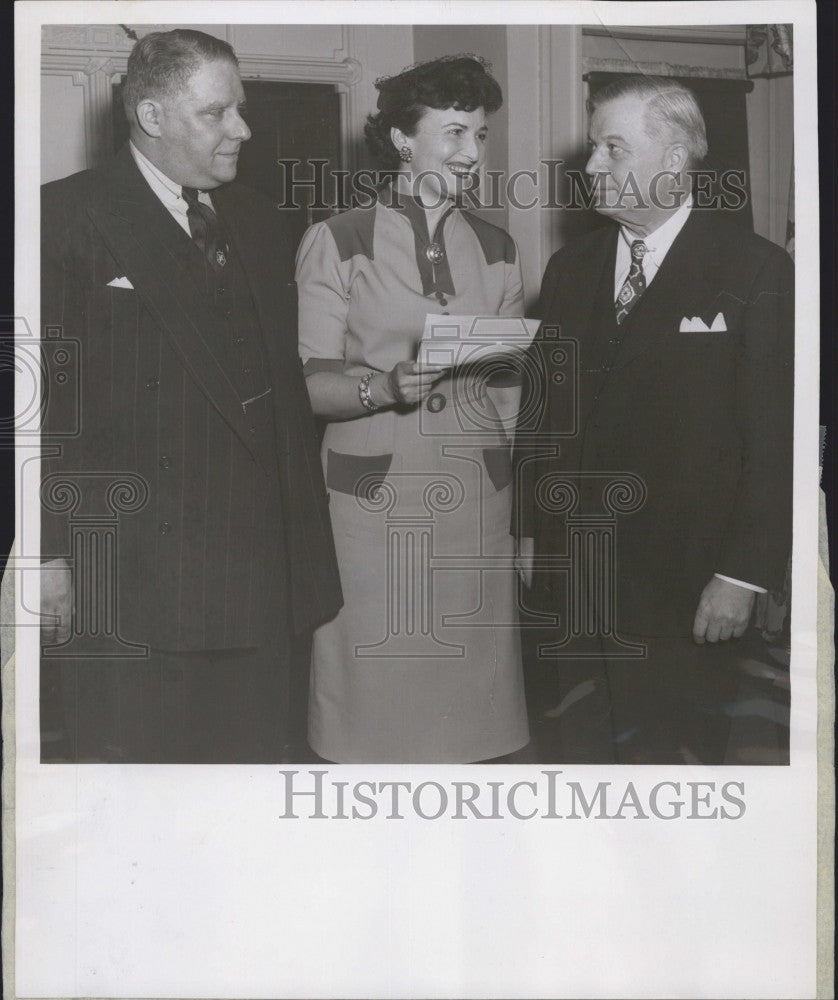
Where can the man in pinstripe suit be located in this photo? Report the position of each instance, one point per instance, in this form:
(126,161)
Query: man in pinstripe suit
(175,281)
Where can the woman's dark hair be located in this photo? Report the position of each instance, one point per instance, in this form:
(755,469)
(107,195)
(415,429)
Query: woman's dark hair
(462,82)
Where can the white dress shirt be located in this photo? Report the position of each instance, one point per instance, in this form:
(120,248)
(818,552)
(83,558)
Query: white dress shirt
(169,193)
(657,247)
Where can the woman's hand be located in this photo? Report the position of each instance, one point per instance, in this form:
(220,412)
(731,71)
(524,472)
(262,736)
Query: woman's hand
(406,384)
(334,396)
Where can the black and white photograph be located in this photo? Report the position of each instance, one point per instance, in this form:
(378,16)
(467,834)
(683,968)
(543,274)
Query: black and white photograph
(641,589)
(416,426)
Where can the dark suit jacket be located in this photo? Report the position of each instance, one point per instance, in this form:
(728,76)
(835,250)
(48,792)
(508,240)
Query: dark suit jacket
(704,419)
(195,566)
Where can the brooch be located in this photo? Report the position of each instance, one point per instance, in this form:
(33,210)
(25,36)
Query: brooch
(435,253)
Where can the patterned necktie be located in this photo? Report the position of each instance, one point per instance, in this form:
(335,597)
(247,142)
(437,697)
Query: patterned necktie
(205,230)
(634,285)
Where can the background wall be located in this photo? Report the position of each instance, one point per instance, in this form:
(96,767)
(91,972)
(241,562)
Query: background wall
(540,69)
(771,142)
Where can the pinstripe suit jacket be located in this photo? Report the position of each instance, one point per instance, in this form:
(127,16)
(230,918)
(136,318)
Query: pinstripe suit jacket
(201,562)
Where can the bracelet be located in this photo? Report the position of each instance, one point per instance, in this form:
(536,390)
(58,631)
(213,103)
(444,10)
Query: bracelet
(364,393)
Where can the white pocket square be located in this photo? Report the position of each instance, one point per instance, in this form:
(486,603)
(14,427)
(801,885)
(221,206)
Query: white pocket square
(120,283)
(696,324)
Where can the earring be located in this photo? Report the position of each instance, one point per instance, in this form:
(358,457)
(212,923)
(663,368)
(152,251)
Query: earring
(405,154)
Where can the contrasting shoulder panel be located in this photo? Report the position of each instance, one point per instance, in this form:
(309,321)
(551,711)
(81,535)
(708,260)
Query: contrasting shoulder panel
(353,232)
(496,244)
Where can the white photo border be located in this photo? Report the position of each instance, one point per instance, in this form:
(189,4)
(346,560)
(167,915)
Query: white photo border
(152,881)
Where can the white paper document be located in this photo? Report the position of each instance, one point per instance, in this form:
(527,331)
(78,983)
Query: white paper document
(457,340)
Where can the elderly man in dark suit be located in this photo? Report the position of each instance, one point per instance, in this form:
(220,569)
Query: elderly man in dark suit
(176,283)
(684,331)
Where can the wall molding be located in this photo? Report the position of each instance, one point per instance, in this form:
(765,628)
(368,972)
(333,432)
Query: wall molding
(95,56)
(297,69)
(95,75)
(721,34)
(525,145)
(101,38)
(591,64)
(564,120)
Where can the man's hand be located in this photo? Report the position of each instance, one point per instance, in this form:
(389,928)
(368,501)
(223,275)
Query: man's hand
(724,611)
(524,559)
(56,599)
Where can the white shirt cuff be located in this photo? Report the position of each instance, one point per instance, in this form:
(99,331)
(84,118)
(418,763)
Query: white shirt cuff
(741,583)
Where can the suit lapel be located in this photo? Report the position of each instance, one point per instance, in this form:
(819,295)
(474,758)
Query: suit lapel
(244,241)
(576,295)
(263,276)
(259,264)
(154,252)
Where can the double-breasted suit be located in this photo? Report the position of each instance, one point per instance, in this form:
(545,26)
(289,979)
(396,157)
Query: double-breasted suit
(700,413)
(198,392)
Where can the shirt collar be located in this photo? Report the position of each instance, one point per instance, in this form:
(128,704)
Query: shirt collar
(661,239)
(164,187)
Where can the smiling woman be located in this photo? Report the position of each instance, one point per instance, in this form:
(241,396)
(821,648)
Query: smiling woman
(432,121)
(447,150)
(422,664)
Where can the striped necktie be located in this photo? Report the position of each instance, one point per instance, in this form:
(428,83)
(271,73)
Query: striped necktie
(634,285)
